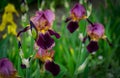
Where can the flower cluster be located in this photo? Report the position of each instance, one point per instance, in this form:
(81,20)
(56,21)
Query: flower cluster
(41,28)
(95,31)
(9,10)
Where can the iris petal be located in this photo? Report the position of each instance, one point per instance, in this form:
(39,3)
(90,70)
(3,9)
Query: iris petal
(54,33)
(92,46)
(6,68)
(78,10)
(72,26)
(52,67)
(45,41)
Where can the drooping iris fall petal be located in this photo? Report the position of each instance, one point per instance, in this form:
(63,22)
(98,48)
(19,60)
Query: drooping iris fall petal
(45,41)
(52,67)
(72,26)
(51,32)
(92,46)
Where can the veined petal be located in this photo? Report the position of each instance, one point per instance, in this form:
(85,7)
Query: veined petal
(78,10)
(52,67)
(45,41)
(72,26)
(50,16)
(92,46)
(54,33)
(95,31)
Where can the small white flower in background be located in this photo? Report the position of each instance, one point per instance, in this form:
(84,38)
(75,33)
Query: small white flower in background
(26,62)
(81,36)
(100,57)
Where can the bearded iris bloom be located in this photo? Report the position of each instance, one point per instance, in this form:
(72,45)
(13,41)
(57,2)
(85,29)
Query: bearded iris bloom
(42,24)
(7,69)
(95,32)
(77,13)
(46,57)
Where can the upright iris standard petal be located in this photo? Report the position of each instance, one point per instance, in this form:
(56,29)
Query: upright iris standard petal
(72,26)
(45,41)
(52,67)
(49,15)
(43,19)
(36,18)
(78,11)
(6,69)
(92,46)
(95,31)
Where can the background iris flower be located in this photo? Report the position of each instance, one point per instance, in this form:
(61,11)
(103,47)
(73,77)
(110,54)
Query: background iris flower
(77,13)
(7,18)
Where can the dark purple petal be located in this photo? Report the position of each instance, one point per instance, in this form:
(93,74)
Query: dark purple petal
(54,33)
(52,67)
(72,26)
(45,41)
(92,46)
(24,30)
(68,19)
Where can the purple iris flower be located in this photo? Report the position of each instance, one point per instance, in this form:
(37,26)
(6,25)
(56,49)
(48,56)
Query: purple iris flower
(46,57)
(77,13)
(95,32)
(42,23)
(7,69)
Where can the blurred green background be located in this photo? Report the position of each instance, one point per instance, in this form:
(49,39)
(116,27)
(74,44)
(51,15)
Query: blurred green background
(70,53)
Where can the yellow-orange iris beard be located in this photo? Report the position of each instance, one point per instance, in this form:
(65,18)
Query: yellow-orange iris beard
(44,58)
(94,37)
(43,27)
(75,18)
